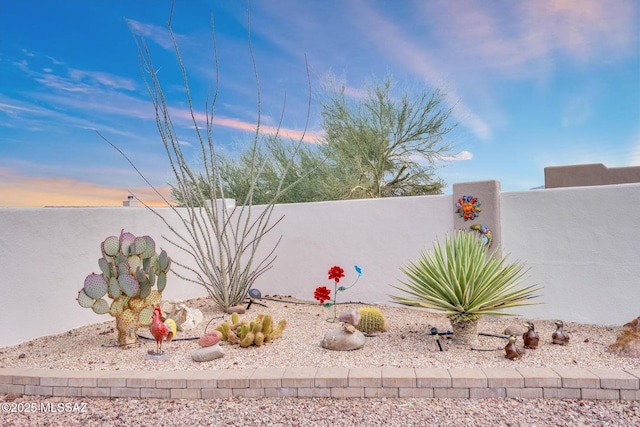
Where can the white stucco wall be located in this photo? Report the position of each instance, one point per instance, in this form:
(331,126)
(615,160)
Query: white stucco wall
(582,244)
(378,235)
(45,254)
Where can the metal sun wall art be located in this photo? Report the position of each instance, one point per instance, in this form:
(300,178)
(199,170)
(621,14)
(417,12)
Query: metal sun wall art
(468,207)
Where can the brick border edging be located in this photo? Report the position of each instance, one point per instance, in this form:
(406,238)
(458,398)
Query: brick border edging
(465,383)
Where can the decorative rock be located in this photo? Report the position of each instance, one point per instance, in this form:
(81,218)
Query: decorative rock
(236,309)
(517,330)
(628,341)
(352,317)
(210,338)
(186,318)
(206,354)
(341,340)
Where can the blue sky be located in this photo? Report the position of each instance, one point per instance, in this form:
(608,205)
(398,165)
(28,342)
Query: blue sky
(533,83)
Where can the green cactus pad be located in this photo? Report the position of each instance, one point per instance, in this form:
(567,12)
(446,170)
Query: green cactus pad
(137,304)
(162,281)
(117,307)
(111,246)
(84,300)
(163,261)
(146,316)
(155,262)
(145,289)
(141,277)
(150,248)
(126,239)
(154,298)
(105,267)
(114,288)
(140,245)
(95,285)
(123,268)
(100,306)
(128,284)
(152,276)
(119,259)
(134,262)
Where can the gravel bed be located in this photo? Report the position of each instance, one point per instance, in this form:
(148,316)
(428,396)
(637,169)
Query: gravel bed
(406,343)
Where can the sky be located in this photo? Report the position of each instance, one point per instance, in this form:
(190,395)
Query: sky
(531,83)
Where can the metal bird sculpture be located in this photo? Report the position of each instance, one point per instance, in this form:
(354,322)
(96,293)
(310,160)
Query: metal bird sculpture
(530,337)
(511,350)
(559,336)
(161,331)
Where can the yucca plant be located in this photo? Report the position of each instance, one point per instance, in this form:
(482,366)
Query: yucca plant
(464,282)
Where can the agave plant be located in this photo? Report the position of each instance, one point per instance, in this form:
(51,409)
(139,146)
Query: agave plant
(464,282)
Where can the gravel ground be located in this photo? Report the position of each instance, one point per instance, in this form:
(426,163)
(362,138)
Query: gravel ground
(327,412)
(406,343)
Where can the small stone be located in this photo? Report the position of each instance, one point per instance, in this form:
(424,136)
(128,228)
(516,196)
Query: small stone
(340,340)
(236,309)
(210,338)
(352,317)
(206,354)
(517,330)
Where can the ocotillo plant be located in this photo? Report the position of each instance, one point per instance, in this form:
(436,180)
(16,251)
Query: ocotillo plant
(222,242)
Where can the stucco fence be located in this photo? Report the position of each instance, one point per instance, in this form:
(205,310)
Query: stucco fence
(582,245)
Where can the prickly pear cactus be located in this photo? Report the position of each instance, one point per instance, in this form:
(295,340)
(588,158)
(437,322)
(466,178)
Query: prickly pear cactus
(371,320)
(133,275)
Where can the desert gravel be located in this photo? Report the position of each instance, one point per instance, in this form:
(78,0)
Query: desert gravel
(406,343)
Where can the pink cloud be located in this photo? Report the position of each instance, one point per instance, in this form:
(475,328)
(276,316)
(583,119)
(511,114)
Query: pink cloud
(295,134)
(158,34)
(520,40)
(417,58)
(21,191)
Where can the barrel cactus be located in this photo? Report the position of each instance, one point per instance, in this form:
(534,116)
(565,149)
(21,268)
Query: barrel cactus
(133,276)
(371,320)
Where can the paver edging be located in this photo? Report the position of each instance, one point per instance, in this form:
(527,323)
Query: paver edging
(465,383)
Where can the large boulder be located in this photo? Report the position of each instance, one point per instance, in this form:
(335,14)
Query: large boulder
(628,341)
(185,317)
(343,339)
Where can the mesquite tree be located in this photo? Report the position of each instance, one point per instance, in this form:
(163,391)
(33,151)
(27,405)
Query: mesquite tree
(385,143)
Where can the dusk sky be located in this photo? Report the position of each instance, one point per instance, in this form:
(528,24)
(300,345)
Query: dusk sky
(532,83)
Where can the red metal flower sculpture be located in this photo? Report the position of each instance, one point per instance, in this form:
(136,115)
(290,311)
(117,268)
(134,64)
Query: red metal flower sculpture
(322,294)
(336,273)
